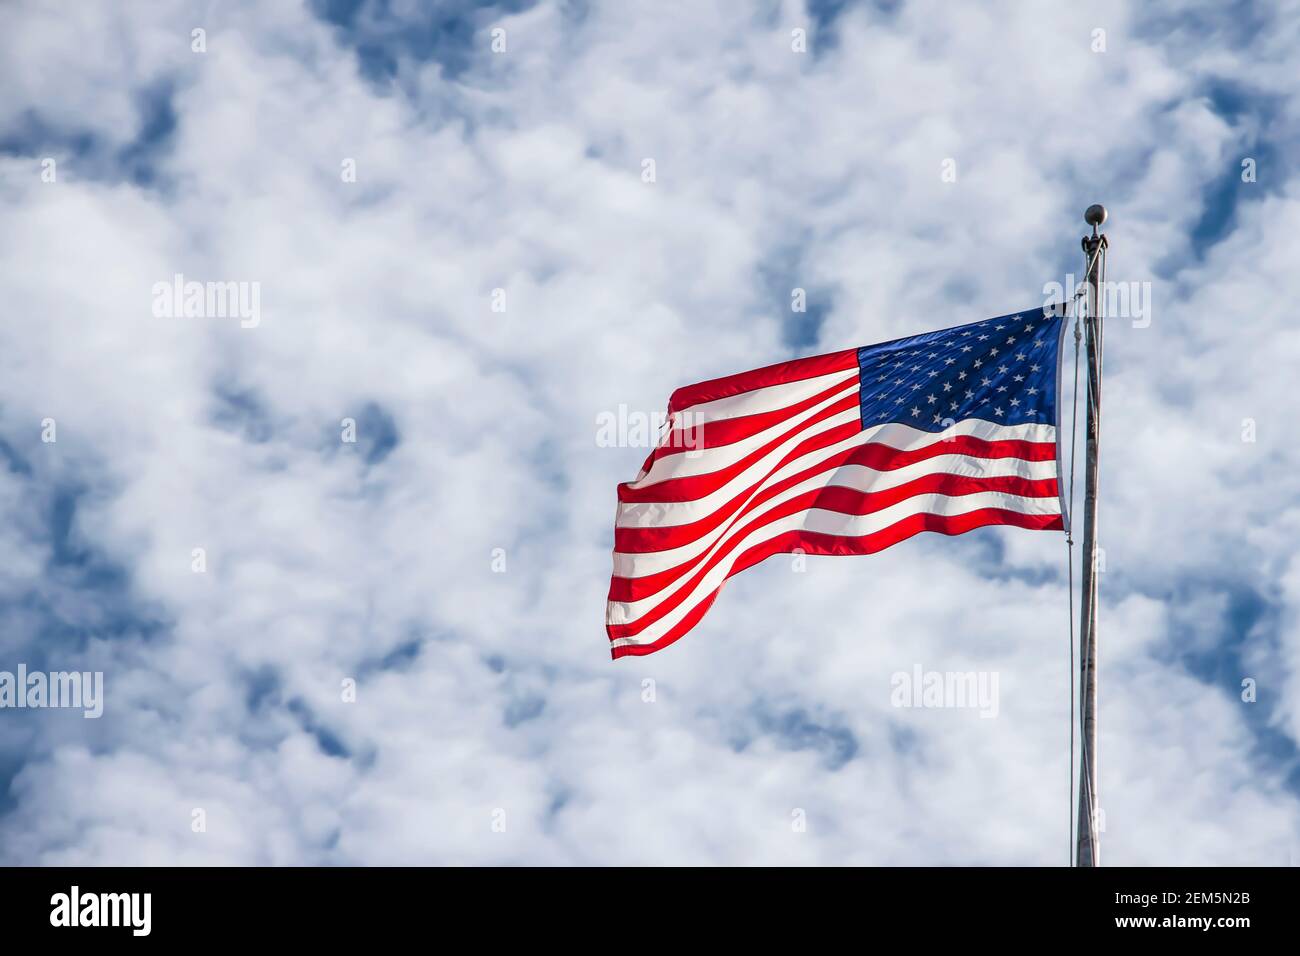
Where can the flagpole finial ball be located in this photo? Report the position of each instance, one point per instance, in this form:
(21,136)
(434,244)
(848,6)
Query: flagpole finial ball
(1095,215)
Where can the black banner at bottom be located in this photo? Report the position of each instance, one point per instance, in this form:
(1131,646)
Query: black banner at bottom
(334,906)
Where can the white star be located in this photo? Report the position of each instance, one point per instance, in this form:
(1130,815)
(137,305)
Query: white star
(915,411)
(931,399)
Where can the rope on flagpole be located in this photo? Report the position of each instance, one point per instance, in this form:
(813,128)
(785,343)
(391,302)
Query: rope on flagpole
(1069,573)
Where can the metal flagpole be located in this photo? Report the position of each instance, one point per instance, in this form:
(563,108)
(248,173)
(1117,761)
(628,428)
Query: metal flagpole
(1088,851)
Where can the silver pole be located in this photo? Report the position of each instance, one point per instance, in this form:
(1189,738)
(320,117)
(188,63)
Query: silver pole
(1089,837)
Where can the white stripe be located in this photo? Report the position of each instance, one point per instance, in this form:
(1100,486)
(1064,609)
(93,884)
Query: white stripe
(654,514)
(683,464)
(824,522)
(855,477)
(635,609)
(768,398)
(650,514)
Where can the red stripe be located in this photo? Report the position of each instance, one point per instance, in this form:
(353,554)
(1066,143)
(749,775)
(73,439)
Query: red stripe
(690,487)
(638,540)
(635,540)
(828,497)
(815,543)
(795,371)
(838,499)
(694,487)
(728,431)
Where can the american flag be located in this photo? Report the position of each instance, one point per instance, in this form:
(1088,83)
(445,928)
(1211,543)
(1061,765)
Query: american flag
(845,453)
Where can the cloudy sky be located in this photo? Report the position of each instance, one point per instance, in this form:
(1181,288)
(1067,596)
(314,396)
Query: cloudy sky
(456,247)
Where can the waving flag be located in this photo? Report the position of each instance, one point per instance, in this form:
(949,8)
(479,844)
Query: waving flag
(845,453)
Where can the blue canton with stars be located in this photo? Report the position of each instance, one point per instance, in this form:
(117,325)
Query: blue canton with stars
(1002,370)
